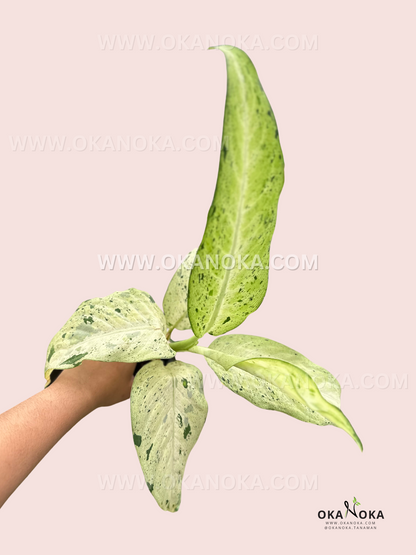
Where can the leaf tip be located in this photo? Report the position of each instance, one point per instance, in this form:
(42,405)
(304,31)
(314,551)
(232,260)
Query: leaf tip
(357,441)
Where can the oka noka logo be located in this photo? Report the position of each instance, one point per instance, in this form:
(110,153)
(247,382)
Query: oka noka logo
(362,514)
(355,502)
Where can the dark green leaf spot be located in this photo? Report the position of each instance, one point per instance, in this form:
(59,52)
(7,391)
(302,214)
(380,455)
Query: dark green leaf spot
(148,452)
(187,431)
(150,486)
(137,440)
(74,359)
(51,352)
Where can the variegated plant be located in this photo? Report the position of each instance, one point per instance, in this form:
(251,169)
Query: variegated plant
(215,289)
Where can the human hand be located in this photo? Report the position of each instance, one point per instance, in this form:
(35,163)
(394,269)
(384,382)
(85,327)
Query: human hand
(101,383)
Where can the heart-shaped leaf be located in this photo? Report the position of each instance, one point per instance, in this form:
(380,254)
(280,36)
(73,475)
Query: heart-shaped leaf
(273,376)
(168,412)
(175,302)
(242,216)
(126,326)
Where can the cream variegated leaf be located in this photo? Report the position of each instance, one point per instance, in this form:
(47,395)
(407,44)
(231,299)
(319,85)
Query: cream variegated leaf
(230,275)
(175,302)
(245,347)
(168,412)
(126,326)
(273,376)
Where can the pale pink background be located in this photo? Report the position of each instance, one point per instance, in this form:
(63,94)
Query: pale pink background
(345,118)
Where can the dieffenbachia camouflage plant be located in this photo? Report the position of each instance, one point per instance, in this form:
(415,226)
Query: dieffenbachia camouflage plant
(168,407)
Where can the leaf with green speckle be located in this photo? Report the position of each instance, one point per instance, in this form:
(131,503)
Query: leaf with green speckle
(273,376)
(168,418)
(175,302)
(242,216)
(126,326)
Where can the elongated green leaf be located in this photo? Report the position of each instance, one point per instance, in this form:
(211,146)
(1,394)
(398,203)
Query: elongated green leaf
(175,302)
(242,216)
(126,326)
(168,412)
(273,376)
(244,347)
(257,391)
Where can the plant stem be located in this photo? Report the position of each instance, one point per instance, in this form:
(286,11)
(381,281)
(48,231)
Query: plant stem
(184,345)
(172,327)
(169,332)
